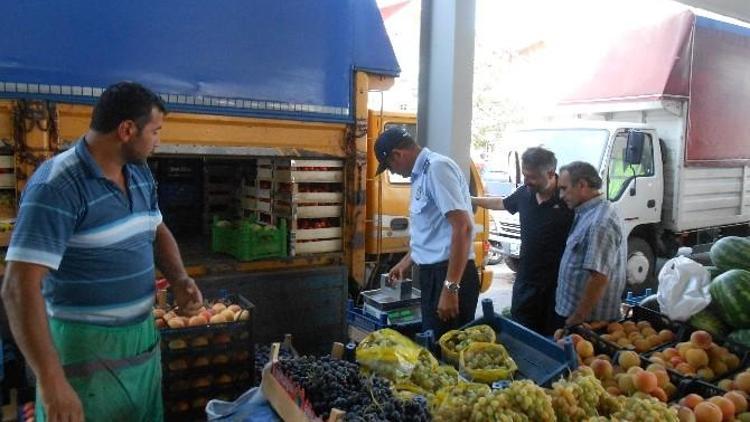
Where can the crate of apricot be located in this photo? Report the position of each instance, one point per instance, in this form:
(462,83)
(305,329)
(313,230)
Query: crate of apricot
(643,331)
(700,357)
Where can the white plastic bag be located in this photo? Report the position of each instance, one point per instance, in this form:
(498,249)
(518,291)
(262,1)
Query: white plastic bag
(683,288)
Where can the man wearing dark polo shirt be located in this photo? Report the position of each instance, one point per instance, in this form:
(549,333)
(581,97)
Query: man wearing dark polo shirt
(545,222)
(79,282)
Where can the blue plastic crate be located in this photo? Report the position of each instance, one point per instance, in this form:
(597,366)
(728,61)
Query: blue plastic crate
(355,316)
(634,300)
(538,358)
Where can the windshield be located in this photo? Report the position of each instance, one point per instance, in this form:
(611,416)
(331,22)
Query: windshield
(568,144)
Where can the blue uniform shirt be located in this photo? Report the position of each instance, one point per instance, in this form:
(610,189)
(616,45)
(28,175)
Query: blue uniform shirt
(595,243)
(96,239)
(437,187)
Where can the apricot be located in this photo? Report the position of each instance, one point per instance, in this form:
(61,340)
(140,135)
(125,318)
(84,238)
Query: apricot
(708,412)
(738,399)
(585,349)
(691,400)
(646,382)
(602,368)
(726,406)
(697,358)
(701,339)
(628,359)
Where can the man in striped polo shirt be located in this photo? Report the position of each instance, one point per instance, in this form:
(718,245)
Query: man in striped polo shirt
(79,283)
(592,269)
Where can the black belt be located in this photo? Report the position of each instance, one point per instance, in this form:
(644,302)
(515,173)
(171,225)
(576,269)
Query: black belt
(441,264)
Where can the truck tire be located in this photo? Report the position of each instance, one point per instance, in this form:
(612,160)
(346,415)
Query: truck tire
(639,267)
(494,256)
(512,263)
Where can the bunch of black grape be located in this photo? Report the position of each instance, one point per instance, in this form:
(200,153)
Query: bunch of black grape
(331,383)
(263,355)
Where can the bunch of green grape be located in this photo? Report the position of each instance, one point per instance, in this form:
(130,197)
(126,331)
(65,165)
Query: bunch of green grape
(496,407)
(456,403)
(645,409)
(531,400)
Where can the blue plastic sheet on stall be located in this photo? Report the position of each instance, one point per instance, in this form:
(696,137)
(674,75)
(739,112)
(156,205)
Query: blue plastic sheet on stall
(251,406)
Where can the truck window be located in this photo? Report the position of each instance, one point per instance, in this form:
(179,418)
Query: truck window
(619,173)
(411,128)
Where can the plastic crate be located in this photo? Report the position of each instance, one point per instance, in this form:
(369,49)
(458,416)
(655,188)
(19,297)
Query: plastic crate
(637,314)
(634,300)
(355,316)
(538,358)
(228,367)
(247,240)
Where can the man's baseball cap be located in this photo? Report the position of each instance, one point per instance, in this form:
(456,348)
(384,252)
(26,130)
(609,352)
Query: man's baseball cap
(386,143)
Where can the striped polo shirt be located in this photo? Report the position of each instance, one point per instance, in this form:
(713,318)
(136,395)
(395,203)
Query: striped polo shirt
(96,239)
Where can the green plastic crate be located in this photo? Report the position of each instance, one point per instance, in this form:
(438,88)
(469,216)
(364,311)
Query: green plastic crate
(247,241)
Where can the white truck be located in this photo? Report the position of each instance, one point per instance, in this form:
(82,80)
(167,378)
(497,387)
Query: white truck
(665,122)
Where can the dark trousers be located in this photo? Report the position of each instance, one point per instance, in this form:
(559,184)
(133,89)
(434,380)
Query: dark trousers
(533,306)
(431,280)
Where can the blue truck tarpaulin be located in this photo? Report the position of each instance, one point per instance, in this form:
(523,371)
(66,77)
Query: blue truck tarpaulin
(291,58)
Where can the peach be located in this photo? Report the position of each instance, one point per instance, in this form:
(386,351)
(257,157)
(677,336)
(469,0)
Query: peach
(645,381)
(732,361)
(685,414)
(585,349)
(176,323)
(691,400)
(234,308)
(228,315)
(685,368)
(623,342)
(662,377)
(708,412)
(201,382)
(217,319)
(634,370)
(742,381)
(628,359)
(718,367)
(641,345)
(625,383)
(160,323)
(648,332)
(666,336)
(244,315)
(559,333)
(726,406)
(604,357)
(220,359)
(701,339)
(697,358)
(218,307)
(670,389)
(200,362)
(158,313)
(705,374)
(726,384)
(224,379)
(575,338)
(738,399)
(222,338)
(197,321)
(614,326)
(602,369)
(643,324)
(617,335)
(660,394)
(629,326)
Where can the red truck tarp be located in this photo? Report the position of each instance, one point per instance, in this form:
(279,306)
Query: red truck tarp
(684,56)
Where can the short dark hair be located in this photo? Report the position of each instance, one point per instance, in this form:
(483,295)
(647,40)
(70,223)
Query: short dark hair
(124,101)
(538,158)
(580,170)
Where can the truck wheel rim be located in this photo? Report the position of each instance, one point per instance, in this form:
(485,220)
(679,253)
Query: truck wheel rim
(637,268)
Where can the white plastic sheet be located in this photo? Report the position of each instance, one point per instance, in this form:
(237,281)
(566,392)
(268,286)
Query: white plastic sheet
(683,288)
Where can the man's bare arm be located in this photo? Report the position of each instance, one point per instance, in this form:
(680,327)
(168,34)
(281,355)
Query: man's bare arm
(489,202)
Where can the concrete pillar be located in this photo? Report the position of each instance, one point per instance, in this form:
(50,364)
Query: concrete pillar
(446,75)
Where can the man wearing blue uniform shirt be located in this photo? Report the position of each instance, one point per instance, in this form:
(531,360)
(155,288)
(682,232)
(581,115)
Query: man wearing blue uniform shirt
(545,221)
(79,284)
(592,270)
(441,230)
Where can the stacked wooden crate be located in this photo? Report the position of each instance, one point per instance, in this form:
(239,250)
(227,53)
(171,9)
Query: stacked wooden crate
(309,195)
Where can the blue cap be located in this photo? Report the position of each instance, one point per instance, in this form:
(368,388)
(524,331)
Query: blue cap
(386,143)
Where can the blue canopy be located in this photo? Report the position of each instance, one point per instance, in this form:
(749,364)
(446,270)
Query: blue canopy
(284,58)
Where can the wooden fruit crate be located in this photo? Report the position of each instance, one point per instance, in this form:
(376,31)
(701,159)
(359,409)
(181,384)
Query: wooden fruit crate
(294,193)
(294,211)
(315,247)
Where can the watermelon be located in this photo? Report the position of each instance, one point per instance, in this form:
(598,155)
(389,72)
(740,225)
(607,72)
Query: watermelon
(713,271)
(731,252)
(740,337)
(731,292)
(707,320)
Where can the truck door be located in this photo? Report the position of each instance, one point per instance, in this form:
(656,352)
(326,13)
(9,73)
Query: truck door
(636,190)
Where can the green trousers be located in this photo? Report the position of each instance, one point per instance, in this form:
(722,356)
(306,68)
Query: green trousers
(116,371)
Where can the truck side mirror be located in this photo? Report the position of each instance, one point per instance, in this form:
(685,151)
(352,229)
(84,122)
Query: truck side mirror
(634,149)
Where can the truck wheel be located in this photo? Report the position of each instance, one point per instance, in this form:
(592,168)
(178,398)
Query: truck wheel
(494,256)
(512,263)
(639,267)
